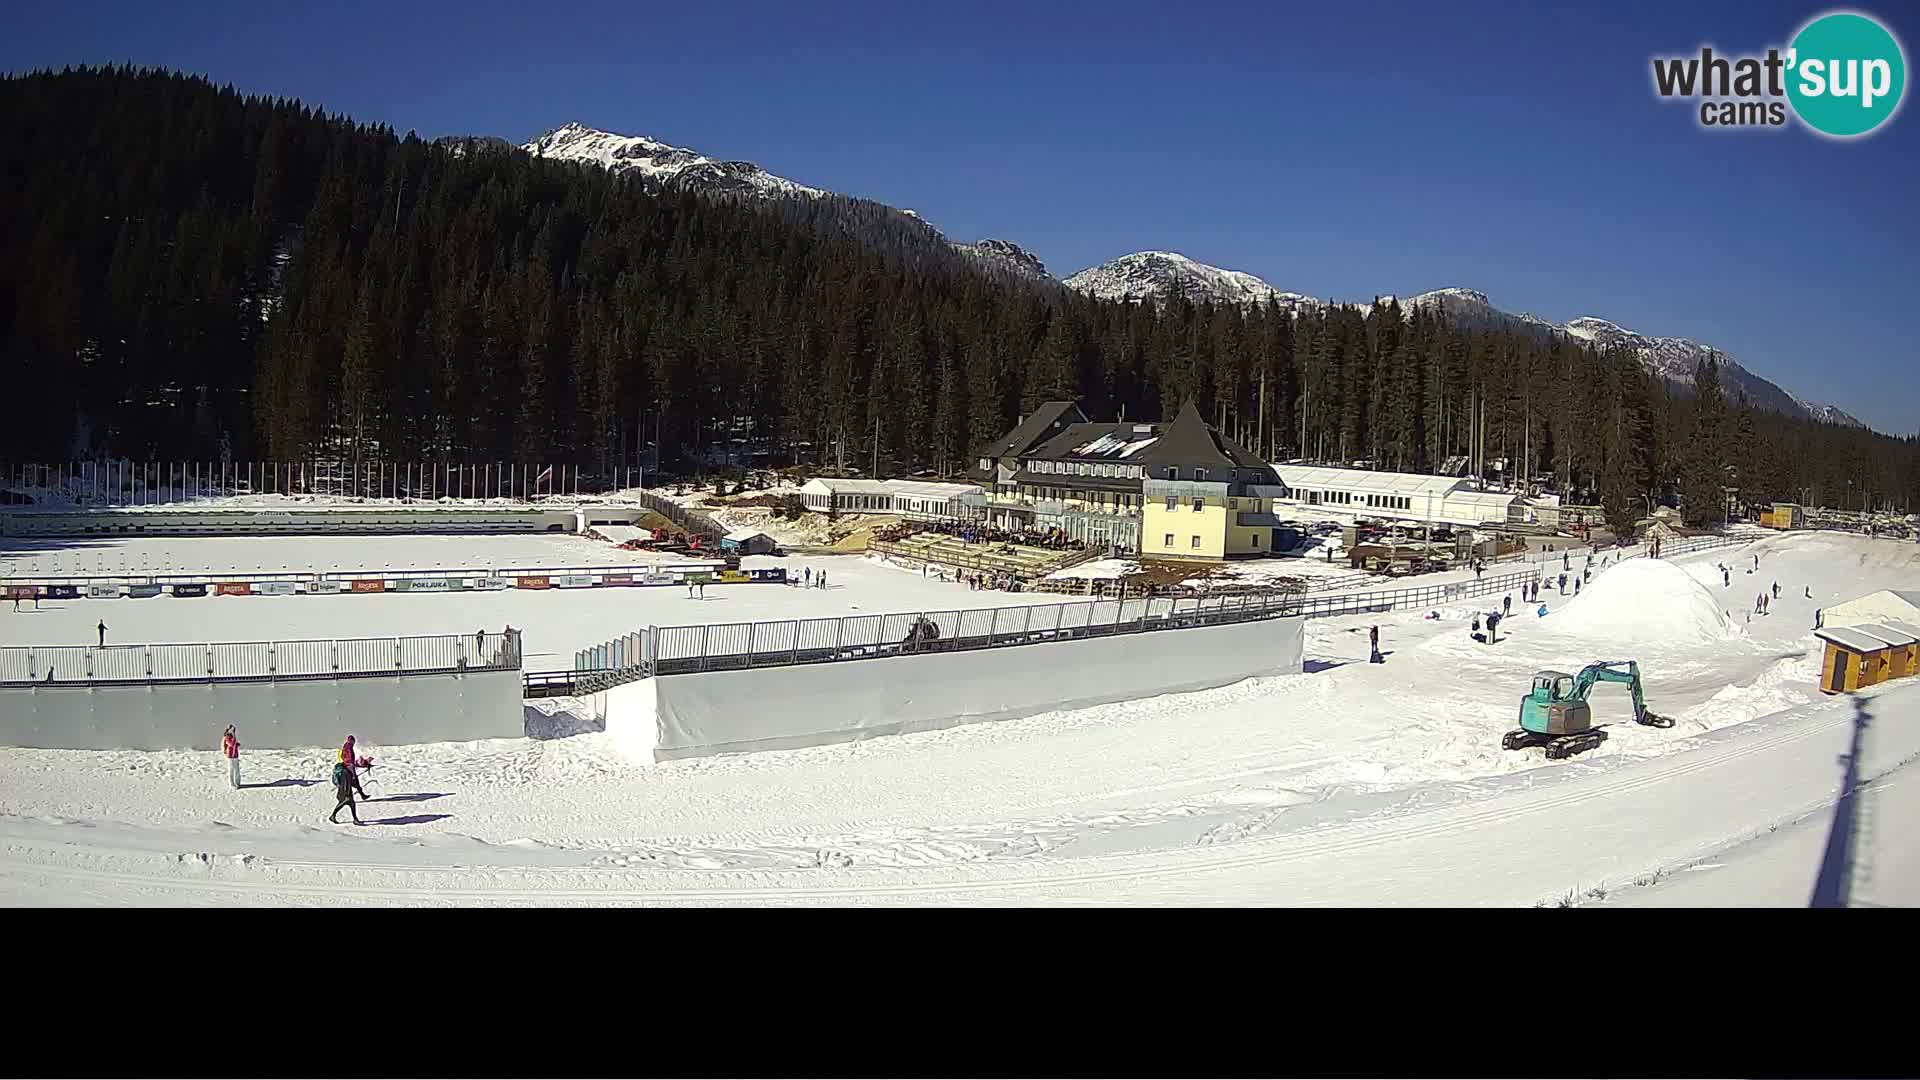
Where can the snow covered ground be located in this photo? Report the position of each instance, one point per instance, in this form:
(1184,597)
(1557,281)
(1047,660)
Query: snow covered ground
(1348,783)
(556,622)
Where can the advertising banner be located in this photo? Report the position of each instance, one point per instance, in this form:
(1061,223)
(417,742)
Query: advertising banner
(532,583)
(143,591)
(369,585)
(62,592)
(103,592)
(233,588)
(574,581)
(274,588)
(189,590)
(617,579)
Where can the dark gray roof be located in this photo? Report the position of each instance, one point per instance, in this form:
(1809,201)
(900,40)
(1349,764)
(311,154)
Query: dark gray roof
(1099,442)
(1189,441)
(1034,429)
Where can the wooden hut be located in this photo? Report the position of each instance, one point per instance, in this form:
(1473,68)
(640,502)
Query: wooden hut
(1852,660)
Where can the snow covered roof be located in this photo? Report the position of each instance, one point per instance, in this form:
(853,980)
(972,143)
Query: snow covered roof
(1885,633)
(1849,637)
(1904,626)
(741,536)
(921,488)
(1412,485)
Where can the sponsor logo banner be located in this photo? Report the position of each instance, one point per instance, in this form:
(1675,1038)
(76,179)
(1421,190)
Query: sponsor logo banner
(103,592)
(424,585)
(532,583)
(492,583)
(189,590)
(617,579)
(143,591)
(274,588)
(62,592)
(369,585)
(233,588)
(573,581)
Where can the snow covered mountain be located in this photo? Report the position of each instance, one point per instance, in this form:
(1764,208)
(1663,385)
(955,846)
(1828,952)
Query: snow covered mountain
(1154,274)
(1007,255)
(677,165)
(1145,274)
(660,161)
(1673,359)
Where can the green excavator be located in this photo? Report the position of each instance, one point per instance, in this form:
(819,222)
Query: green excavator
(1555,714)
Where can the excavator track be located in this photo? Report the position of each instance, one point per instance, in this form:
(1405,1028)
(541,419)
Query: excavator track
(1655,720)
(1557,746)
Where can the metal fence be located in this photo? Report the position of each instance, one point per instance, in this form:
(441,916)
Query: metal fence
(258,660)
(671,650)
(688,518)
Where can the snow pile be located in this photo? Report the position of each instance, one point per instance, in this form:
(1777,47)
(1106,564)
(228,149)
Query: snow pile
(1646,601)
(1097,570)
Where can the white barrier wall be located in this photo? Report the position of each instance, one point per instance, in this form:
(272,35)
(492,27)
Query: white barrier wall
(289,520)
(779,708)
(383,710)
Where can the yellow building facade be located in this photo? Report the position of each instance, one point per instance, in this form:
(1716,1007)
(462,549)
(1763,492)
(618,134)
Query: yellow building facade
(1203,521)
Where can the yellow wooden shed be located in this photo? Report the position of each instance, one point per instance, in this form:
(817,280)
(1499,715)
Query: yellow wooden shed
(1853,659)
(1902,647)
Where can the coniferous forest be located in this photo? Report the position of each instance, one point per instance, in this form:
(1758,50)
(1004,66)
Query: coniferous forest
(186,271)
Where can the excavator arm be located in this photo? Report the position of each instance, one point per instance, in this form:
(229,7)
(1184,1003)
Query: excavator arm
(1618,671)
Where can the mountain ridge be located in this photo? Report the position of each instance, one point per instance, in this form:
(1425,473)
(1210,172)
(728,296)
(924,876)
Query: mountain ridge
(1152,274)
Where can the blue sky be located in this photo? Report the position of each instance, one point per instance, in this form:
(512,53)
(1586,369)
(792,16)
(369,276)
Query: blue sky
(1336,150)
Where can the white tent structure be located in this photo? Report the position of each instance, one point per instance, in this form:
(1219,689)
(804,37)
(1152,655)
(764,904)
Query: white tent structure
(1897,605)
(909,498)
(1411,497)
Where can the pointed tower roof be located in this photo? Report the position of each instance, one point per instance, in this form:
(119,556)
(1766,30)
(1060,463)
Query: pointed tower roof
(1188,440)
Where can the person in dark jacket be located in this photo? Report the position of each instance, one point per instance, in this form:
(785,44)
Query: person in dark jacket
(343,787)
(1373,645)
(103,633)
(351,762)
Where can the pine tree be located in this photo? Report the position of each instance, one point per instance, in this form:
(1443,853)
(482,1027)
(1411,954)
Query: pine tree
(1704,477)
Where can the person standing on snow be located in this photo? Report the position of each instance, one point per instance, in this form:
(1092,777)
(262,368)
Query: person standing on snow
(1776,590)
(230,746)
(103,633)
(1506,603)
(1373,645)
(1576,586)
(1563,584)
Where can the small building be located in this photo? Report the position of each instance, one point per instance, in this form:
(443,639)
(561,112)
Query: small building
(1899,605)
(1901,647)
(1853,659)
(747,542)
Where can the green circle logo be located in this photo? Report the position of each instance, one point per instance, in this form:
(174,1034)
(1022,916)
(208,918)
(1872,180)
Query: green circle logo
(1846,74)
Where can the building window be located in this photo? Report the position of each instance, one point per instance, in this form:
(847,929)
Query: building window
(1169,542)
(985,464)
(1199,474)
(1196,542)
(1173,503)
(1199,504)
(1233,504)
